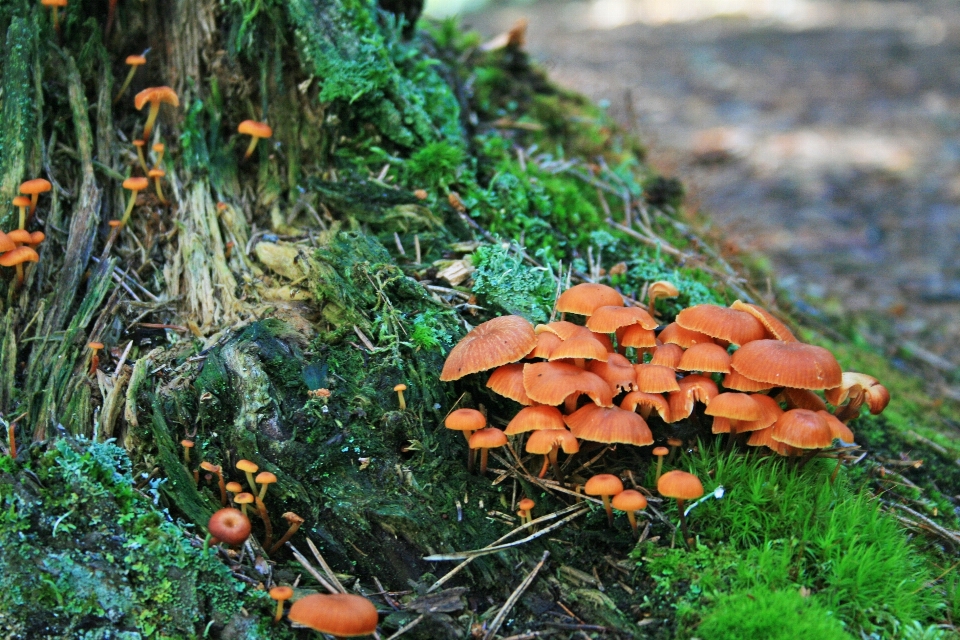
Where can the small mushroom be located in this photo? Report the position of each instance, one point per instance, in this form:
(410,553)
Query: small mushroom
(660,452)
(158,149)
(55,5)
(486,439)
(630,501)
(264,479)
(215,468)
(234,488)
(342,615)
(526,505)
(681,486)
(16,258)
(604,485)
(94,358)
(187,445)
(249,468)
(255,129)
(34,188)
(134,61)
(22,202)
(243,499)
(281,595)
(156,174)
(294,521)
(135,185)
(139,144)
(230,526)
(154,95)
(400,388)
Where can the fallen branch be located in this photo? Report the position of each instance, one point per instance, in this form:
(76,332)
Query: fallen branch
(512,600)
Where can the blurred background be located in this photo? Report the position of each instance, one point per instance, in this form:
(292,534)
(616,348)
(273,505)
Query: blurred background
(823,135)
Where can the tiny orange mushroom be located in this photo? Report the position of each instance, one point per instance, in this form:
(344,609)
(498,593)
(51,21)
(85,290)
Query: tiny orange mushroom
(154,95)
(34,188)
(55,5)
(16,258)
(255,129)
(135,185)
(22,202)
(156,174)
(95,360)
(134,61)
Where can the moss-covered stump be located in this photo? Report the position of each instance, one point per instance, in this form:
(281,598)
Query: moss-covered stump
(416,184)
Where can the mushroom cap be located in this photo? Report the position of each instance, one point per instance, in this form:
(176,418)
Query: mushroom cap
(603,484)
(246,466)
(400,387)
(581,345)
(609,318)
(877,396)
(705,356)
(653,378)
(156,94)
(737,382)
(680,485)
(543,442)
(686,338)
(139,143)
(37,185)
(487,438)
(787,364)
(721,425)
(136,60)
(737,327)
(339,614)
(54,3)
(158,147)
(243,497)
(693,388)
(209,466)
(803,429)
(538,418)
(36,237)
(584,299)
(637,337)
(560,328)
(265,477)
(138,183)
(656,401)
(662,289)
(234,487)
(229,525)
(769,412)
(629,500)
(95,345)
(667,355)
(735,406)
(546,343)
(491,344)
(507,381)
(617,371)
(281,593)
(22,201)
(156,173)
(803,399)
(775,328)
(18,256)
(6,243)
(20,236)
(292,518)
(465,420)
(254,128)
(526,504)
(609,425)
(660,451)
(187,443)
(551,383)
(840,431)
(763,438)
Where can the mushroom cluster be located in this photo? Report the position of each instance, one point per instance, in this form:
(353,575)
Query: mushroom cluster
(600,376)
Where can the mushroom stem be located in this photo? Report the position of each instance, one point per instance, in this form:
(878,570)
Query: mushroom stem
(34,198)
(151,118)
(632,517)
(558,474)
(683,522)
(159,191)
(659,466)
(279,613)
(546,465)
(262,510)
(133,69)
(126,214)
(19,276)
(483,460)
(223,489)
(23,215)
(253,485)
(606,505)
(403,403)
(289,534)
(56,20)
(12,440)
(253,145)
(140,156)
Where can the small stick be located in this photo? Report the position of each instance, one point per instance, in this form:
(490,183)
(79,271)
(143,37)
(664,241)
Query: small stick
(416,246)
(326,567)
(313,572)
(512,600)
(410,625)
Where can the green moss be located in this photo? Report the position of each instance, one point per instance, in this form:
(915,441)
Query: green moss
(770,615)
(503,281)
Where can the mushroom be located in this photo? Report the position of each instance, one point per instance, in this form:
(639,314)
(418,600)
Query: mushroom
(547,443)
(248,468)
(243,499)
(134,61)
(667,355)
(187,445)
(154,95)
(721,323)
(156,174)
(604,485)
(647,403)
(584,299)
(486,439)
(94,357)
(775,328)
(536,418)
(630,501)
(466,421)
(400,388)
(229,525)
(803,429)
(655,378)
(34,188)
(673,333)
(158,149)
(609,425)
(135,185)
(342,615)
(488,345)
(787,364)
(16,258)
(55,5)
(215,468)
(525,506)
(264,479)
(552,383)
(660,452)
(234,488)
(507,381)
(681,486)
(255,129)
(706,357)
(660,289)
(617,371)
(281,595)
(294,521)
(693,388)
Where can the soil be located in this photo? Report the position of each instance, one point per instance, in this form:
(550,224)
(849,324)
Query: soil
(824,136)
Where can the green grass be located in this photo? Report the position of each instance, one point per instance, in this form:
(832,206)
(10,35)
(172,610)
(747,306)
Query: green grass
(783,529)
(770,615)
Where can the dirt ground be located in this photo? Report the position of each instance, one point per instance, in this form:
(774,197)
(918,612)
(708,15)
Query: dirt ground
(823,135)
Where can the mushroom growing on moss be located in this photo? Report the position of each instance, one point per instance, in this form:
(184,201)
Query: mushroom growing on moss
(228,525)
(249,468)
(604,485)
(94,357)
(281,595)
(400,388)
(294,521)
(681,486)
(630,501)
(156,174)
(256,130)
(486,439)
(55,5)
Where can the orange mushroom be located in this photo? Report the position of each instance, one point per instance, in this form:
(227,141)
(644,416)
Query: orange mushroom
(787,364)
(604,485)
(525,506)
(681,486)
(584,299)
(342,615)
(660,289)
(228,525)
(34,188)
(134,61)
(486,439)
(609,425)
(95,357)
(491,344)
(135,185)
(630,501)
(215,468)
(721,323)
(507,381)
(55,5)
(158,149)
(248,468)
(255,129)
(400,388)
(22,202)
(281,595)
(16,258)
(294,521)
(156,174)
(139,144)
(154,95)
(547,443)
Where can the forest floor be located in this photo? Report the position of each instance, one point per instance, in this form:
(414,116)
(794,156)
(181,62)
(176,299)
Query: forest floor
(826,138)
